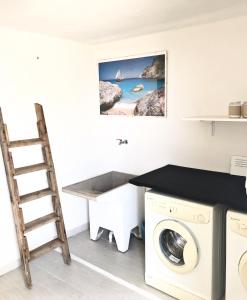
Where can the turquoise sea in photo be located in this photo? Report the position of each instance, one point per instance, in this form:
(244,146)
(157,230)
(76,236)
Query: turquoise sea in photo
(127,85)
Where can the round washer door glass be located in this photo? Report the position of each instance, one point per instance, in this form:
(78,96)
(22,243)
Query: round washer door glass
(175,246)
(242,268)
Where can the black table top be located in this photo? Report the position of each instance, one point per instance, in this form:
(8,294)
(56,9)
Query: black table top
(197,185)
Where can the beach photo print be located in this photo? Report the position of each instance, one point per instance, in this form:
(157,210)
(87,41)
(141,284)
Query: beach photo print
(133,86)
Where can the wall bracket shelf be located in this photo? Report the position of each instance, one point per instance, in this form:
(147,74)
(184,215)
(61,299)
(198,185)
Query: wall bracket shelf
(214,119)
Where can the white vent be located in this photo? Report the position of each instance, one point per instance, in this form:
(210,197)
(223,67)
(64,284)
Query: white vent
(239,165)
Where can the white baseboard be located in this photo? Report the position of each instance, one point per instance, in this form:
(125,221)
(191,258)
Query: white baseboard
(16,263)
(78,229)
(9,267)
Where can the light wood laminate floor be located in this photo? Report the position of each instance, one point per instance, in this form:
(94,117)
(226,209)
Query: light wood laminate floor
(52,279)
(128,266)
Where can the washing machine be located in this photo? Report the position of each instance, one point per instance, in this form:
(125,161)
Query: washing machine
(236,256)
(184,247)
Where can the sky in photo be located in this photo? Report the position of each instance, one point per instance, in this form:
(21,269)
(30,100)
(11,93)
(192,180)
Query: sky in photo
(130,68)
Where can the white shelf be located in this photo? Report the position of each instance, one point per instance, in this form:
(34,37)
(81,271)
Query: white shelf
(213,119)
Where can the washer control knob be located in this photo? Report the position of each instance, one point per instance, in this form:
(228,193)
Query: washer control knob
(201,218)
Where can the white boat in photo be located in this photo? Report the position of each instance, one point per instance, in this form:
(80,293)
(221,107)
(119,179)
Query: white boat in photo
(119,76)
(138,88)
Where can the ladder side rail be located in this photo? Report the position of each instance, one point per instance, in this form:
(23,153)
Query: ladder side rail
(15,198)
(52,182)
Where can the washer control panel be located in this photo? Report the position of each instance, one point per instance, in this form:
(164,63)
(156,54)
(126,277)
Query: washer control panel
(167,206)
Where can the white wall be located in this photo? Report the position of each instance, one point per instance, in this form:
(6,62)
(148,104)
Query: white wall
(59,81)
(206,70)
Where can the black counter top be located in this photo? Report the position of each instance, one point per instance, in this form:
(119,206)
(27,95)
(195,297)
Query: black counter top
(197,185)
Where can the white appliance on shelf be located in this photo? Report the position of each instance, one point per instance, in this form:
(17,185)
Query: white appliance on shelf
(236,256)
(238,165)
(185,246)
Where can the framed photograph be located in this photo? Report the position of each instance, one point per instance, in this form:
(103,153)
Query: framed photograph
(134,86)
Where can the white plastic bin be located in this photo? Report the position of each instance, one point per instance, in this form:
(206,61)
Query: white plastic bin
(114,204)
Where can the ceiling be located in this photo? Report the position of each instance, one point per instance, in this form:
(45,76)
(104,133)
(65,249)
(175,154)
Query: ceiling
(103,20)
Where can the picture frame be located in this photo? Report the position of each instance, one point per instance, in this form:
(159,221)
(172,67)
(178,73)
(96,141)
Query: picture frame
(134,85)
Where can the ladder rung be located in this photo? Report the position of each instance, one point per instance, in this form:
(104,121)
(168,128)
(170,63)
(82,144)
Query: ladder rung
(45,248)
(36,195)
(40,221)
(28,142)
(32,168)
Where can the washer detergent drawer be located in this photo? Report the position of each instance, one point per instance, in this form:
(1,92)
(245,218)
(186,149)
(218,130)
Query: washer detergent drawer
(238,223)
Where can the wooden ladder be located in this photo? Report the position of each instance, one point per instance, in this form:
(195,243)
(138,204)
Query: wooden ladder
(16,199)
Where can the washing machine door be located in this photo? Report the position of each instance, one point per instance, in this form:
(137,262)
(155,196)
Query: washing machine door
(175,246)
(242,268)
